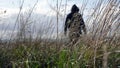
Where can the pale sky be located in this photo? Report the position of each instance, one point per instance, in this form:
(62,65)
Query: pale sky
(42,7)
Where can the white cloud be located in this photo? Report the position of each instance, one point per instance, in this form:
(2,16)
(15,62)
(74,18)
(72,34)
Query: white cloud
(41,9)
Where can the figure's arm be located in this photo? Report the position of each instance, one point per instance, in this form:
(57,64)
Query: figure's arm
(82,24)
(66,25)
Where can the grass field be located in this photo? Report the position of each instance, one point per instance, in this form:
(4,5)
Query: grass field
(99,48)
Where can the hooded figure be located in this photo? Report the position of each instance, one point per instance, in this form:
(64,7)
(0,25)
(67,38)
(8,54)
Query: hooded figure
(75,23)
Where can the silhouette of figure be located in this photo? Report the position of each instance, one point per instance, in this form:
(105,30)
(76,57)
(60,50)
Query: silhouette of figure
(75,23)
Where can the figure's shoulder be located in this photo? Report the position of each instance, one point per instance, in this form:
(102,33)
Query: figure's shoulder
(70,14)
(77,14)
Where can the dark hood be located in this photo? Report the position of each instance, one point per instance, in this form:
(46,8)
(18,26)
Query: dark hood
(74,9)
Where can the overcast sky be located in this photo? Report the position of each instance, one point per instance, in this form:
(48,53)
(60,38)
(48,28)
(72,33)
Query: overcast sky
(42,7)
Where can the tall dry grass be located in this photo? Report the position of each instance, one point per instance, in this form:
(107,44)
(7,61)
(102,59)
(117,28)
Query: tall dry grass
(99,48)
